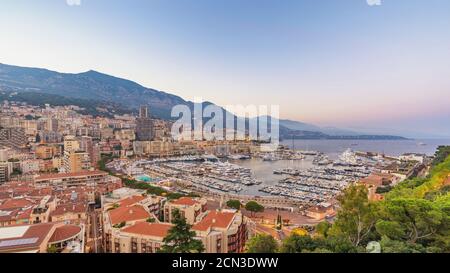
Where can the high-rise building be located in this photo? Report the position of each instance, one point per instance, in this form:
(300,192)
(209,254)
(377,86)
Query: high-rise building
(76,161)
(4,172)
(87,145)
(144,125)
(45,152)
(143,112)
(52,125)
(76,157)
(71,144)
(4,154)
(13,137)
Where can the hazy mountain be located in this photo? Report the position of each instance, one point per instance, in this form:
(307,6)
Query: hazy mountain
(297,125)
(93,89)
(89,85)
(301,126)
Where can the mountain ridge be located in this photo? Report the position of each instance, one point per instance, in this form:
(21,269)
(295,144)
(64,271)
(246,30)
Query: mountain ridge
(97,86)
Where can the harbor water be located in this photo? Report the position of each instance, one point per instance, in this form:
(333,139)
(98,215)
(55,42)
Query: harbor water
(263,170)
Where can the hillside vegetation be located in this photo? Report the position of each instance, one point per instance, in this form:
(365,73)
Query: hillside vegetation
(413,218)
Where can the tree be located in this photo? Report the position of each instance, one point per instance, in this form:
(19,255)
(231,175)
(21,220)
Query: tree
(322,229)
(357,216)
(234,204)
(410,219)
(279,224)
(254,207)
(340,244)
(442,153)
(180,238)
(120,225)
(52,249)
(393,246)
(262,243)
(299,244)
(16,172)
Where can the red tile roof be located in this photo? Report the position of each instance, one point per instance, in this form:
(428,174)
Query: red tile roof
(10,204)
(128,214)
(64,233)
(149,229)
(25,214)
(215,219)
(185,201)
(39,231)
(375,180)
(131,200)
(69,208)
(69,175)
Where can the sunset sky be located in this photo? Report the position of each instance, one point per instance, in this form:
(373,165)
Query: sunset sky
(338,63)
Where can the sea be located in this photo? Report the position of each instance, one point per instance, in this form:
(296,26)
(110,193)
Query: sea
(388,147)
(263,170)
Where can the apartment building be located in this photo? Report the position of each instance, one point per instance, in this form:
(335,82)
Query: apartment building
(118,216)
(13,137)
(76,161)
(222,231)
(71,144)
(47,151)
(85,178)
(74,213)
(189,208)
(4,172)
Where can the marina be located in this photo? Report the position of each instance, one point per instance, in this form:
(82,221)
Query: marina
(306,176)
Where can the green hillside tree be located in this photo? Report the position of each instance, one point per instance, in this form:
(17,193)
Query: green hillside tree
(262,243)
(180,238)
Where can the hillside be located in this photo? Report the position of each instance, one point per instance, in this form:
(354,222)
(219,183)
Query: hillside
(90,85)
(93,89)
(90,107)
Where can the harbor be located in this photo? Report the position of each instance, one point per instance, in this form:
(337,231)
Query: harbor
(309,177)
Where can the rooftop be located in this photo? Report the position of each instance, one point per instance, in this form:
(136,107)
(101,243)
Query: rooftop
(128,214)
(185,201)
(11,204)
(69,175)
(70,208)
(64,233)
(131,200)
(149,229)
(215,219)
(24,238)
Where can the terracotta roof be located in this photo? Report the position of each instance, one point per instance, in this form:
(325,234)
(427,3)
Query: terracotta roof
(65,233)
(70,208)
(128,214)
(7,217)
(38,232)
(5,195)
(69,175)
(41,192)
(25,214)
(149,229)
(10,204)
(131,200)
(185,201)
(215,219)
(376,180)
